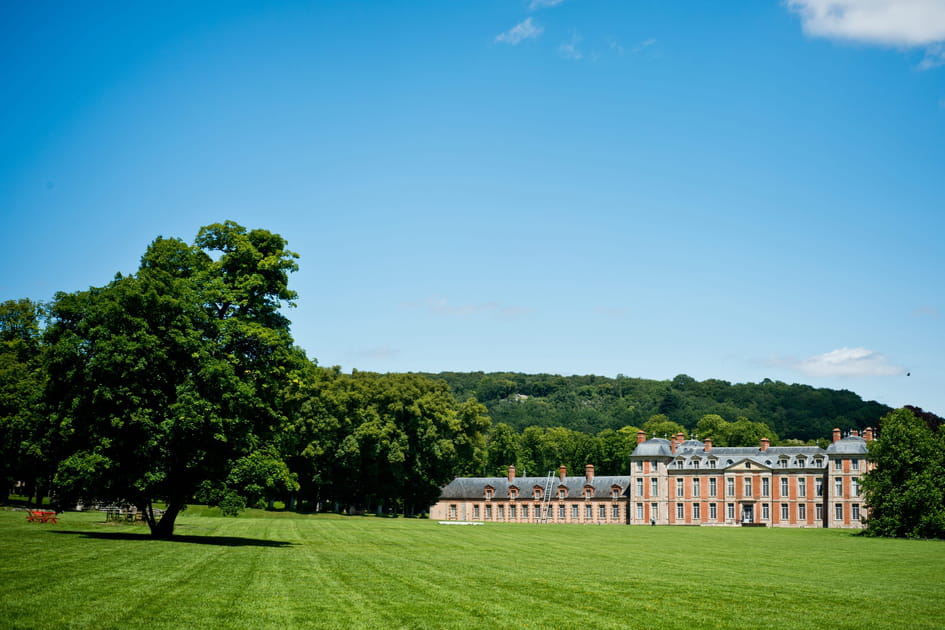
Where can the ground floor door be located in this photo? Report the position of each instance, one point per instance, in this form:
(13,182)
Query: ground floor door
(748,513)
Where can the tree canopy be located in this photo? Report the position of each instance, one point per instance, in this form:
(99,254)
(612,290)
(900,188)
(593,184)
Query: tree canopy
(905,491)
(161,381)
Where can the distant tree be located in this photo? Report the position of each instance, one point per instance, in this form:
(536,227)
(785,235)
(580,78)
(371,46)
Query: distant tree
(905,492)
(502,450)
(660,426)
(161,381)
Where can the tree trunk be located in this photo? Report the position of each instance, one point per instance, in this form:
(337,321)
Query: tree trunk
(164,528)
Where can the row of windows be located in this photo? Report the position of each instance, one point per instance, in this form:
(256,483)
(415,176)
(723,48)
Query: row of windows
(562,493)
(514,511)
(783,462)
(765,511)
(748,488)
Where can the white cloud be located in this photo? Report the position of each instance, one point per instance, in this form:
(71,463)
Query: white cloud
(534,5)
(934,57)
(646,43)
(886,22)
(569,49)
(440,306)
(523,30)
(848,362)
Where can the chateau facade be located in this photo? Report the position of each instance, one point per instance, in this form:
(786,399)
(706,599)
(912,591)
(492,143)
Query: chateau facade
(682,482)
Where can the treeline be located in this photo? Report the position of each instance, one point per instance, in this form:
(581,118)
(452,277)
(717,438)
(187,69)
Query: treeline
(591,404)
(181,382)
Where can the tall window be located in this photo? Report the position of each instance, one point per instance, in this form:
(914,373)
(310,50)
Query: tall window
(489,512)
(784,511)
(784,486)
(525,512)
(802,511)
(561,512)
(730,487)
(501,511)
(747,484)
(512,511)
(802,487)
(855,486)
(680,492)
(615,512)
(838,464)
(819,511)
(730,511)
(680,512)
(602,512)
(640,465)
(713,487)
(654,487)
(819,487)
(713,511)
(838,511)
(452,512)
(654,510)
(765,487)
(838,487)
(765,511)
(696,512)
(476,512)
(639,487)
(639,511)
(855,507)
(574,512)
(587,512)
(695,486)
(854,464)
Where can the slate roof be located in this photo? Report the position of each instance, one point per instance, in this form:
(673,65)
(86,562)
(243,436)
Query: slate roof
(731,455)
(475,487)
(850,445)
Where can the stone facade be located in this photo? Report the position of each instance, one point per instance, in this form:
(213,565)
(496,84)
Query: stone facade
(683,482)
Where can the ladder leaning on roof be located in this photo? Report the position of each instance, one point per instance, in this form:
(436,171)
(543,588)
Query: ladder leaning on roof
(546,497)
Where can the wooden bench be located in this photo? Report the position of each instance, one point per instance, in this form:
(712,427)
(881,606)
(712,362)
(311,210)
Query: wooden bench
(42,516)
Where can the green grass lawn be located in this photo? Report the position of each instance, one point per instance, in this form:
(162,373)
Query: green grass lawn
(281,570)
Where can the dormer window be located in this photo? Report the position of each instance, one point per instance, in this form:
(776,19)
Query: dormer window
(588,493)
(490,492)
(679,464)
(562,493)
(615,492)
(513,493)
(536,493)
(695,463)
(818,462)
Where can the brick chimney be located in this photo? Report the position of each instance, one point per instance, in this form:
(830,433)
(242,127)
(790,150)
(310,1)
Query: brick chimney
(868,434)
(836,435)
(562,472)
(641,437)
(708,445)
(672,445)
(511,474)
(765,443)
(589,473)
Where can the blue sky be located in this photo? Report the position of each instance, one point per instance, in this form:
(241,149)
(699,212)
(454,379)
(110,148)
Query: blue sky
(740,190)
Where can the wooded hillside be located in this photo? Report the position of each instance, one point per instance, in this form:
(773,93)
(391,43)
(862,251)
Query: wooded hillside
(591,404)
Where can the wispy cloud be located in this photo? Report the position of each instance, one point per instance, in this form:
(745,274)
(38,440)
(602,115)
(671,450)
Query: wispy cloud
(534,5)
(439,305)
(848,362)
(926,311)
(646,43)
(569,49)
(526,29)
(901,23)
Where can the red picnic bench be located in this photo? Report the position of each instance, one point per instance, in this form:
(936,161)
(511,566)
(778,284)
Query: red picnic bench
(42,516)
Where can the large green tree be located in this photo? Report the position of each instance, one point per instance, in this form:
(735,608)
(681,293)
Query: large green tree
(905,491)
(161,381)
(24,450)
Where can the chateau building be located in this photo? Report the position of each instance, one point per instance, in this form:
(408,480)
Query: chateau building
(683,482)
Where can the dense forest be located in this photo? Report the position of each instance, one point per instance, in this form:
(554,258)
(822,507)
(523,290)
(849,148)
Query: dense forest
(591,404)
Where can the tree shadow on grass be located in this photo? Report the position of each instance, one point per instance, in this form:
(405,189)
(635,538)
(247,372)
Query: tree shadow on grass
(220,541)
